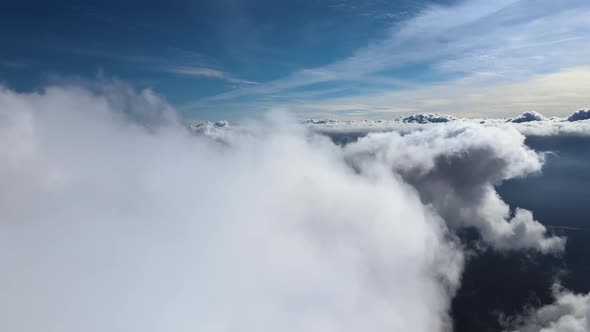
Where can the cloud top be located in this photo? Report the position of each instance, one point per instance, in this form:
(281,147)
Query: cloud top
(528,117)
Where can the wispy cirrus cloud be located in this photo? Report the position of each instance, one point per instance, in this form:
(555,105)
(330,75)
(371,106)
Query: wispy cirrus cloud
(188,63)
(208,72)
(14,64)
(478,95)
(474,44)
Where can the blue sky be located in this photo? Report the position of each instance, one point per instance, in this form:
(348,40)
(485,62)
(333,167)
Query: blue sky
(232,59)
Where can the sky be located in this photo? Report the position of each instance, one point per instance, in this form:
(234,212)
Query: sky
(236,59)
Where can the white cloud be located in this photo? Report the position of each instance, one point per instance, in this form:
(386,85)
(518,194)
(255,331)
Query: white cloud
(208,72)
(569,313)
(110,222)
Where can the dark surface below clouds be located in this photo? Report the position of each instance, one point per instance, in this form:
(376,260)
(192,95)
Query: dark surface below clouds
(494,284)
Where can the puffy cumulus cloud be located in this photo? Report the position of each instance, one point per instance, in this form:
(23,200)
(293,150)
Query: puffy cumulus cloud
(583,114)
(455,168)
(569,313)
(115,216)
(424,118)
(528,117)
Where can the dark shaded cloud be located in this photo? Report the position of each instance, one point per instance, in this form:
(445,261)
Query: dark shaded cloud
(423,118)
(528,117)
(455,168)
(583,114)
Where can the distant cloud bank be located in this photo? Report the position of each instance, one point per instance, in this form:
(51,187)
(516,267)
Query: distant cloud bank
(528,123)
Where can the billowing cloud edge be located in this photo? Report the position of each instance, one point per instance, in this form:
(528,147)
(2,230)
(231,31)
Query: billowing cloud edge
(569,313)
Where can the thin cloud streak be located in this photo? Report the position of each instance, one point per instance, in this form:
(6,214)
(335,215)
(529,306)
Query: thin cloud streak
(208,72)
(14,64)
(184,59)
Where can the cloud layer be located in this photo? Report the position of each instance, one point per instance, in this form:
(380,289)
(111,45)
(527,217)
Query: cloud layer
(528,123)
(116,215)
(110,222)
